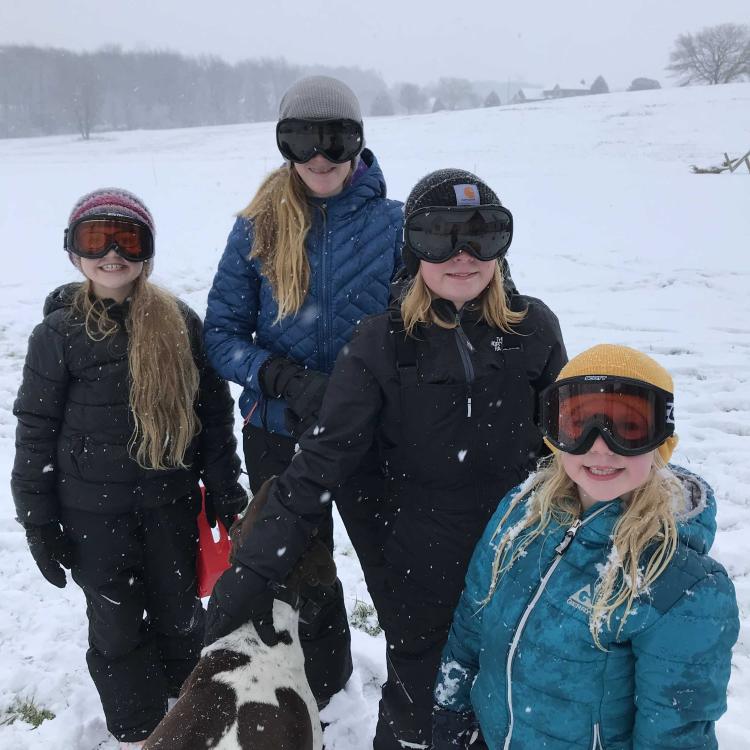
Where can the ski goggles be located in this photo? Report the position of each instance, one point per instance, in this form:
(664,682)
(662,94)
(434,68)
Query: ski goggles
(436,234)
(338,141)
(93,238)
(631,416)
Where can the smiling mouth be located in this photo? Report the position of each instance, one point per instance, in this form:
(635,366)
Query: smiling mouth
(462,275)
(321,170)
(602,472)
(112,267)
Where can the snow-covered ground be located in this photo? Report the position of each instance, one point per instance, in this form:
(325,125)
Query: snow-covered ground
(613,231)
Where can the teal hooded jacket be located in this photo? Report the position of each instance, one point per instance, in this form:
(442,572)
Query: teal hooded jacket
(526,665)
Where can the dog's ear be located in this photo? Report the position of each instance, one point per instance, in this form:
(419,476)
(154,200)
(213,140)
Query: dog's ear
(322,567)
(242,529)
(315,568)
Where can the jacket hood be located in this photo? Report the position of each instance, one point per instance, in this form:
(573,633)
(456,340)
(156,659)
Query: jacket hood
(61,297)
(695,509)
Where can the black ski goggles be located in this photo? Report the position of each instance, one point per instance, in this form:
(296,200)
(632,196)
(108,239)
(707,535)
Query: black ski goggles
(632,417)
(436,233)
(338,141)
(93,238)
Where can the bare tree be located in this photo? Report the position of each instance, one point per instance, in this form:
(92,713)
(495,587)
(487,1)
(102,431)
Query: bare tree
(716,54)
(382,105)
(412,98)
(457,93)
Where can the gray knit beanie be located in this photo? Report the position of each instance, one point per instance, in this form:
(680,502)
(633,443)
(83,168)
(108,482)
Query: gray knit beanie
(320,98)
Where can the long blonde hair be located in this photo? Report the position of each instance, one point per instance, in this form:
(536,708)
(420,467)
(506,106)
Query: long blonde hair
(163,375)
(416,305)
(282,216)
(647,524)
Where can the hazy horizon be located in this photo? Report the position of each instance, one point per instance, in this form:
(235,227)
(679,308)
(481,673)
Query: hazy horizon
(540,43)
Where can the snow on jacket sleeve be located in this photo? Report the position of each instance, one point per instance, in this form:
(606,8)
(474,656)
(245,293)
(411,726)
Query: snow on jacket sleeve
(39,407)
(460,661)
(218,462)
(232,312)
(330,453)
(682,667)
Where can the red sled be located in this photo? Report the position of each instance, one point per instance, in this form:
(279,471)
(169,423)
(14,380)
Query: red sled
(213,551)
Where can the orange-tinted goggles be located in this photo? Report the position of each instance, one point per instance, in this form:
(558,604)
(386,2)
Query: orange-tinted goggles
(631,416)
(94,238)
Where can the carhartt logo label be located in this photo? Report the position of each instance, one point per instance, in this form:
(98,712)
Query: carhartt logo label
(581,600)
(466,195)
(497,343)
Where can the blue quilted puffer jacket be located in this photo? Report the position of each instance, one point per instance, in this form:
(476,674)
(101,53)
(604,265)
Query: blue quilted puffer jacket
(541,682)
(354,250)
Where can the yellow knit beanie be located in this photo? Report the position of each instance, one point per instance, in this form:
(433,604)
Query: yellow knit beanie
(611,359)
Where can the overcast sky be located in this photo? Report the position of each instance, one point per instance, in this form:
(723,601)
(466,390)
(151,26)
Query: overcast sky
(544,42)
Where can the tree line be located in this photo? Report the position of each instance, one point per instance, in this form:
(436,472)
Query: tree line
(46,91)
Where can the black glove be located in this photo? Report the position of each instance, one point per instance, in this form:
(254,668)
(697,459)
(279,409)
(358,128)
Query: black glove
(240,595)
(225,504)
(51,550)
(302,389)
(297,427)
(453,729)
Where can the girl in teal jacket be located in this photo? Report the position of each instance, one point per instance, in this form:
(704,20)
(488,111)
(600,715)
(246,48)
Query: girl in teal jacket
(592,615)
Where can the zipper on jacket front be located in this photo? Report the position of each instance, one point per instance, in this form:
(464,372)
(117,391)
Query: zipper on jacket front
(324,291)
(465,349)
(597,743)
(560,550)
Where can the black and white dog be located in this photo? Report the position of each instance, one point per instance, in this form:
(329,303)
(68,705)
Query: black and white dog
(244,694)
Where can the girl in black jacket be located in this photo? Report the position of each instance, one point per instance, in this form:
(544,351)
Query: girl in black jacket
(445,386)
(119,416)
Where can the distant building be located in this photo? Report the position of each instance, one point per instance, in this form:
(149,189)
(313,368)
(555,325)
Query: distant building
(563,93)
(527,94)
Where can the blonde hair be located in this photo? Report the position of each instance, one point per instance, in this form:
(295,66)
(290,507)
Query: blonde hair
(647,525)
(163,379)
(416,305)
(281,216)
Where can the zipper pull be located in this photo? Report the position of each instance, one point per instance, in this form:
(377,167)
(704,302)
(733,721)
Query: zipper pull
(462,334)
(468,400)
(568,538)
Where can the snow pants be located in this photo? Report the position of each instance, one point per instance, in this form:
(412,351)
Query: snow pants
(325,638)
(137,571)
(416,631)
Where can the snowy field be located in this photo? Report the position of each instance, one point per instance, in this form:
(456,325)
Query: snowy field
(613,231)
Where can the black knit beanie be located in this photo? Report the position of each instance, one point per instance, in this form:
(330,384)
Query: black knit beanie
(444,187)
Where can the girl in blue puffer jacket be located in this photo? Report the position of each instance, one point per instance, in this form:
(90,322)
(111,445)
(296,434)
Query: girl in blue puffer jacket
(592,615)
(313,253)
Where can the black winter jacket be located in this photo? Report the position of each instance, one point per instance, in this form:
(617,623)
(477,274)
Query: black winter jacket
(74,424)
(453,417)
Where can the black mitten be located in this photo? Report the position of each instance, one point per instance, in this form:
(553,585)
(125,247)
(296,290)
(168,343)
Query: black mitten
(225,504)
(51,550)
(453,729)
(301,388)
(240,595)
